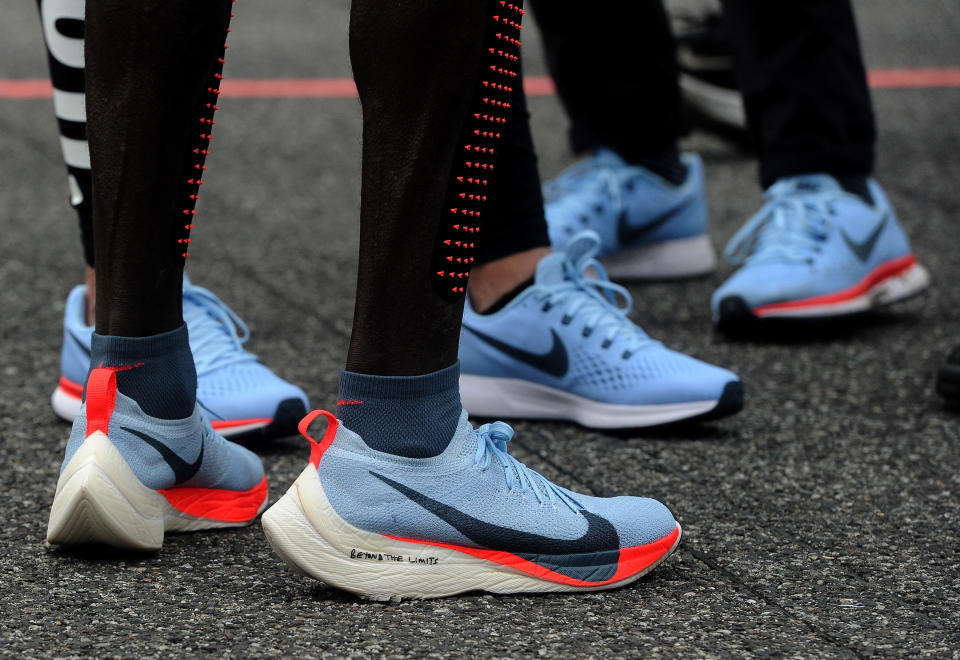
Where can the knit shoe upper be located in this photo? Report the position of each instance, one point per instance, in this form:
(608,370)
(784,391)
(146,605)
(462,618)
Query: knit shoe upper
(816,250)
(471,518)
(565,348)
(237,393)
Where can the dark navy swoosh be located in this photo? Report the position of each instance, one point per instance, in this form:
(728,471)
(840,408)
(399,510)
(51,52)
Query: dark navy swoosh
(554,362)
(600,536)
(182,471)
(864,248)
(627,233)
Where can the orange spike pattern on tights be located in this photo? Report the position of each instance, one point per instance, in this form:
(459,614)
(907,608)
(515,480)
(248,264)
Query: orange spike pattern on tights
(199,152)
(475,161)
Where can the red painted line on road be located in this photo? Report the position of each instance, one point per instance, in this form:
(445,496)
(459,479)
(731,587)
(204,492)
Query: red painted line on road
(339,88)
(914,78)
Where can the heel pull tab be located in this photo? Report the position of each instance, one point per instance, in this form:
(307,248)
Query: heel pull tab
(317,448)
(101,399)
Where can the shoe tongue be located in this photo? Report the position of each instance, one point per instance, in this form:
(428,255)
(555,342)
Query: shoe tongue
(806,184)
(603,157)
(550,269)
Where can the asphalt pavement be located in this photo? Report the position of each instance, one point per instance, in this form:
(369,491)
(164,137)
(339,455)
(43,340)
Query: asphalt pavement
(821,521)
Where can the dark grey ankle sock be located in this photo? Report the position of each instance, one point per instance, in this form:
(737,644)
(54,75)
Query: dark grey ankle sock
(667,165)
(157,371)
(413,416)
(856,185)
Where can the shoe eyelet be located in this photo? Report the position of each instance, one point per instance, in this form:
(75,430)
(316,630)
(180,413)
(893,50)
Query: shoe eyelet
(587,332)
(584,220)
(546,307)
(626,355)
(606,344)
(566,320)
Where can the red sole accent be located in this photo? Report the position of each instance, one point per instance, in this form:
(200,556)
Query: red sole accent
(302,88)
(232,423)
(632,560)
(70,388)
(229,506)
(881,273)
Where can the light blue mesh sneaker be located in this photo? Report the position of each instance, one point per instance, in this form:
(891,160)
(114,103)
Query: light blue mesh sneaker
(238,394)
(473,518)
(814,250)
(128,477)
(562,349)
(648,227)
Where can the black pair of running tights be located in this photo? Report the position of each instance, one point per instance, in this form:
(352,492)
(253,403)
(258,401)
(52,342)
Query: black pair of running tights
(515,216)
(437,85)
(798,65)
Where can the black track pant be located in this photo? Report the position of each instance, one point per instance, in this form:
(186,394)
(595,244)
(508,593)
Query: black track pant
(798,65)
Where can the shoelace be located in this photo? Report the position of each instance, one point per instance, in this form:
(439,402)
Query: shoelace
(492,442)
(786,229)
(595,298)
(605,179)
(214,337)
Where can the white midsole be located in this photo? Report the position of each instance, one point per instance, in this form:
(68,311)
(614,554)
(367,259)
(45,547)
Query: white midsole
(898,287)
(674,259)
(487,396)
(66,406)
(307,533)
(100,500)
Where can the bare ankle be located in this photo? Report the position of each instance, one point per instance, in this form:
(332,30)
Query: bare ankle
(492,280)
(90,276)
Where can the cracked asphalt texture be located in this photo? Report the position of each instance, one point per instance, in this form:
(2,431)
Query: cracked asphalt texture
(821,521)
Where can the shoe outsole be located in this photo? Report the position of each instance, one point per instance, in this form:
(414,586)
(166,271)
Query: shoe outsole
(100,500)
(948,383)
(734,315)
(730,403)
(306,532)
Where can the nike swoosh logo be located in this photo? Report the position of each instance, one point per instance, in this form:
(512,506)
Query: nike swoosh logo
(627,233)
(554,362)
(182,471)
(599,537)
(863,248)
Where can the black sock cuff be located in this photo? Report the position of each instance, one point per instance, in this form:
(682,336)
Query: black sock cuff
(505,299)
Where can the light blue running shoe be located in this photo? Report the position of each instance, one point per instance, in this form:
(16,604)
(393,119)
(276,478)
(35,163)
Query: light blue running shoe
(128,477)
(238,394)
(562,349)
(471,519)
(816,251)
(648,227)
